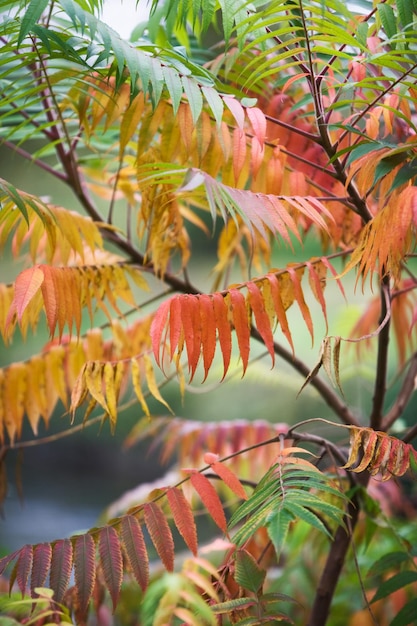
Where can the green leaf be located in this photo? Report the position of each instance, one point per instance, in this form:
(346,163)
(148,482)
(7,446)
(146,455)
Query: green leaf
(14,195)
(362,33)
(395,582)
(307,516)
(387,562)
(31,17)
(233,605)
(385,166)
(361,150)
(404,174)
(407,615)
(278,524)
(214,101)
(248,574)
(405,11)
(174,85)
(388,20)
(195,99)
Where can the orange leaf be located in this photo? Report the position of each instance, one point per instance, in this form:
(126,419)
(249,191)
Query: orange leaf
(296,279)
(183,517)
(262,320)
(27,285)
(209,497)
(190,318)
(369,441)
(317,282)
(355,443)
(175,323)
(396,456)
(160,534)
(50,299)
(381,456)
(280,307)
(208,332)
(241,324)
(135,547)
(230,478)
(157,329)
(223,328)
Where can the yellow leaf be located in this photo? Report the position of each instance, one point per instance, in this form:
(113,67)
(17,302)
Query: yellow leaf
(93,375)
(137,385)
(151,382)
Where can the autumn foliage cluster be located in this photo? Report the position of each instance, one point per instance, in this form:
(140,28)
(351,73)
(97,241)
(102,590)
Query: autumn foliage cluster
(283,136)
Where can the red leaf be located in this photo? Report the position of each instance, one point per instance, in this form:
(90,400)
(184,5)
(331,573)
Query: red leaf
(157,329)
(24,567)
(42,555)
(223,329)
(111,561)
(239,152)
(403,459)
(395,456)
(236,109)
(209,497)
(208,332)
(160,534)
(6,560)
(261,317)
(381,456)
(330,267)
(230,478)
(61,568)
(258,122)
(85,569)
(190,317)
(183,517)
(241,324)
(134,544)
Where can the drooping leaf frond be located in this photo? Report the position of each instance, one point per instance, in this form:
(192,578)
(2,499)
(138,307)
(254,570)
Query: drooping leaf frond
(195,323)
(47,231)
(378,453)
(64,291)
(188,439)
(73,369)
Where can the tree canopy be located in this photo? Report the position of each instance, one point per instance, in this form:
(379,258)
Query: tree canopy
(258,127)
